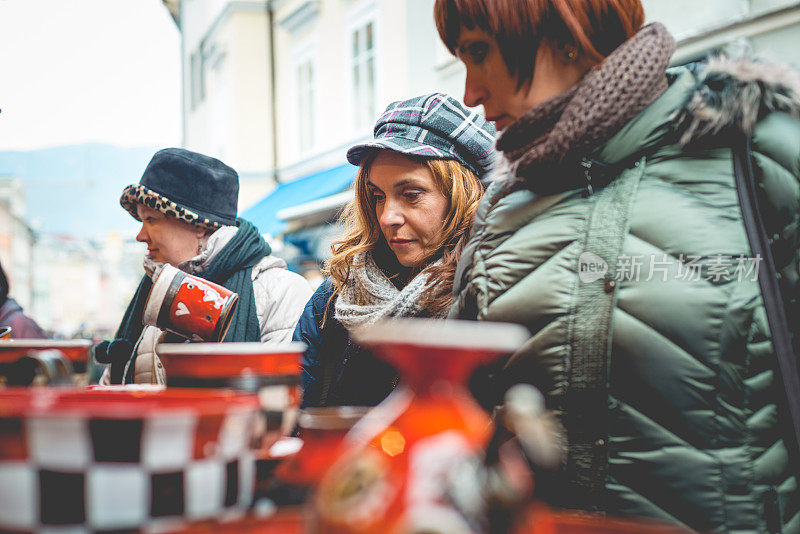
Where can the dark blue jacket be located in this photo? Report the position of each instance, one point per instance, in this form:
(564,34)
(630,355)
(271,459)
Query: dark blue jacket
(336,371)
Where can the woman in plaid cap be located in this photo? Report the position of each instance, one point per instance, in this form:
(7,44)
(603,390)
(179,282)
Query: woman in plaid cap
(416,193)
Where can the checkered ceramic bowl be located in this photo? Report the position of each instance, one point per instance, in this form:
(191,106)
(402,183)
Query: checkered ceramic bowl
(271,371)
(100,460)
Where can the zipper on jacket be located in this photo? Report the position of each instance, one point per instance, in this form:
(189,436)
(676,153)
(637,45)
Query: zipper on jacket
(587,170)
(327,381)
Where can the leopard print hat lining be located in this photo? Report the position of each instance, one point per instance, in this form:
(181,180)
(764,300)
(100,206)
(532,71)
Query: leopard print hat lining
(139,194)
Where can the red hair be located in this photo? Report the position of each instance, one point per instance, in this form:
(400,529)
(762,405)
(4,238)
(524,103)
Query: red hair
(594,27)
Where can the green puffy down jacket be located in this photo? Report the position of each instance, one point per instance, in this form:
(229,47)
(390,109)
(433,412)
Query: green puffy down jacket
(687,430)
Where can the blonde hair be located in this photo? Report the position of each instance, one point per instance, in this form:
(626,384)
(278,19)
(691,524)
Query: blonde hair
(463,190)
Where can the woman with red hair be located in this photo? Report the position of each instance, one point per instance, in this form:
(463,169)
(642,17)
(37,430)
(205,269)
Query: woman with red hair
(612,229)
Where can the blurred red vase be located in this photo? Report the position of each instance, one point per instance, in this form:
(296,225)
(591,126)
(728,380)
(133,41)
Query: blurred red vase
(403,453)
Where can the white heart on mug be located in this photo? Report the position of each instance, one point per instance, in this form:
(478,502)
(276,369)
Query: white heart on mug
(181,310)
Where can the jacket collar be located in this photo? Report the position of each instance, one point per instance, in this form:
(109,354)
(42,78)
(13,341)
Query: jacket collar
(721,96)
(214,244)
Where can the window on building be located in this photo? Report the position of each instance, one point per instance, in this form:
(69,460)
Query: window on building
(363,50)
(304,71)
(198,77)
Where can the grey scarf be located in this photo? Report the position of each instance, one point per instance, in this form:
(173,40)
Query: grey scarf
(378,296)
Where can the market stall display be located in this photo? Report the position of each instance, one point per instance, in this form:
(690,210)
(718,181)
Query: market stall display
(207,458)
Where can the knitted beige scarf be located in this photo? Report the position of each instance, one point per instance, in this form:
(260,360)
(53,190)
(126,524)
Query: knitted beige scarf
(368,295)
(568,126)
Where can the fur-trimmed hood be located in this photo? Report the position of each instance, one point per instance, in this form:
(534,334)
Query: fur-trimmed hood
(728,94)
(735,93)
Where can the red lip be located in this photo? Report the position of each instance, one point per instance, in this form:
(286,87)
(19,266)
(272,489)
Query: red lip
(400,241)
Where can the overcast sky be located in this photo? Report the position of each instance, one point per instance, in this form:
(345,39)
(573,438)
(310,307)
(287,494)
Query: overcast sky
(75,71)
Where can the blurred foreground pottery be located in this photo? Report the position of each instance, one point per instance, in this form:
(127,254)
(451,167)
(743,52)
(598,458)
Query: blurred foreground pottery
(189,305)
(541,520)
(405,455)
(99,459)
(322,430)
(284,521)
(266,462)
(295,478)
(24,362)
(271,371)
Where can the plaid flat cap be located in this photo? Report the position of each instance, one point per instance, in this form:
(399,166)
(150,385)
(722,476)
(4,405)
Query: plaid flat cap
(432,126)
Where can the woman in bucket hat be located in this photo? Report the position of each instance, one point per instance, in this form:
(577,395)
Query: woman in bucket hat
(416,192)
(187,204)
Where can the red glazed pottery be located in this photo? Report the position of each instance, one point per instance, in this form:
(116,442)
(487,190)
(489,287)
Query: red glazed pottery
(271,371)
(74,350)
(292,480)
(42,361)
(266,462)
(94,460)
(541,520)
(404,453)
(322,430)
(283,521)
(189,305)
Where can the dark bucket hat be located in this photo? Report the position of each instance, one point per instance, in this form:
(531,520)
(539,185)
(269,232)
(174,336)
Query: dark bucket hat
(432,126)
(194,188)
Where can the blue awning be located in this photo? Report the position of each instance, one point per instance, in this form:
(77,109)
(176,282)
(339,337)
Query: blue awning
(312,187)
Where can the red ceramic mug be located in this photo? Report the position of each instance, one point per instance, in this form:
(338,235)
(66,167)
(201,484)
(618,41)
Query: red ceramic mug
(189,305)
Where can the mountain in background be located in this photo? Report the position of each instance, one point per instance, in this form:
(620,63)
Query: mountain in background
(75,190)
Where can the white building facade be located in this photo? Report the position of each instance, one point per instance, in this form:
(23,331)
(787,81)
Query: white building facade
(16,241)
(339,63)
(227,87)
(293,83)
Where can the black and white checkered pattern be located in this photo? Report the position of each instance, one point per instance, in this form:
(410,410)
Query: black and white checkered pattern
(433,126)
(78,474)
(279,396)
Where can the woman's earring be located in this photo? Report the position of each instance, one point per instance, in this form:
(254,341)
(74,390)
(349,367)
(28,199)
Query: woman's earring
(572,55)
(199,246)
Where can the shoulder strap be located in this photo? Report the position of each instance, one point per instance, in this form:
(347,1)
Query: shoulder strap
(787,370)
(585,408)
